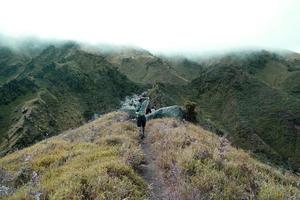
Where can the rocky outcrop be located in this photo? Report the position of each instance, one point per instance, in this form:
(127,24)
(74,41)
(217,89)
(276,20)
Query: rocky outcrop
(171,111)
(5,183)
(129,105)
(10,182)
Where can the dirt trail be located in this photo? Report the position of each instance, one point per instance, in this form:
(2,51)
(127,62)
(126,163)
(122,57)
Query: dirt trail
(151,173)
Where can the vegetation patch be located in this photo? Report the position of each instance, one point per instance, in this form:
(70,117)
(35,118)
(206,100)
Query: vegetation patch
(95,161)
(198,164)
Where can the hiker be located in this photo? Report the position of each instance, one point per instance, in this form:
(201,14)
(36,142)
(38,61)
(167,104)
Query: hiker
(142,106)
(148,110)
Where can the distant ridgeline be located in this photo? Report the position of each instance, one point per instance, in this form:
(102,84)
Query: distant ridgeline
(254,96)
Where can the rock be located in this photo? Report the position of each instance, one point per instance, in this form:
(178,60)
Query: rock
(5,177)
(34,177)
(36,195)
(129,105)
(24,109)
(4,190)
(5,183)
(27,157)
(171,111)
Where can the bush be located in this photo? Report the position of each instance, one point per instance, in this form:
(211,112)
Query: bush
(190,113)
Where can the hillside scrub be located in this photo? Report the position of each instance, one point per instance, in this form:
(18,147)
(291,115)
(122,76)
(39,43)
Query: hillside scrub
(190,113)
(69,86)
(95,161)
(252,95)
(102,160)
(198,164)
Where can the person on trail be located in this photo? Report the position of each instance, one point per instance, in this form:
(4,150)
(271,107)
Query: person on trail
(140,114)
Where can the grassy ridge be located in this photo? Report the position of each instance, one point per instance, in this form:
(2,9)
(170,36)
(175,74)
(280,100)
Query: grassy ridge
(197,164)
(247,107)
(253,95)
(230,99)
(99,160)
(95,161)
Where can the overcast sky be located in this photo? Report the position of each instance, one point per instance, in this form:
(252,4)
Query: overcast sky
(158,25)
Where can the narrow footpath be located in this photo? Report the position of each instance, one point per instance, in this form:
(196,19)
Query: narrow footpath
(152,173)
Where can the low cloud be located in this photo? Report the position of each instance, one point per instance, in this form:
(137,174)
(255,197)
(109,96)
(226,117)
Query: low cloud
(159,26)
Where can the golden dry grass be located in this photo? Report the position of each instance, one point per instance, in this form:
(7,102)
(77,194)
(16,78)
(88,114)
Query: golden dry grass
(198,164)
(95,161)
(99,161)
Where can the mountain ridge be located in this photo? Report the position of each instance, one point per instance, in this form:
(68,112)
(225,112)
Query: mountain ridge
(70,92)
(76,83)
(104,159)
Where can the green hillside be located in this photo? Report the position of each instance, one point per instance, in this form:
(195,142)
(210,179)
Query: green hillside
(142,67)
(252,96)
(259,117)
(60,88)
(278,70)
(11,64)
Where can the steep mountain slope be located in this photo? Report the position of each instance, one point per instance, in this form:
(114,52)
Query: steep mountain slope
(253,95)
(258,116)
(60,88)
(186,68)
(197,164)
(103,160)
(237,94)
(95,161)
(279,70)
(143,67)
(11,64)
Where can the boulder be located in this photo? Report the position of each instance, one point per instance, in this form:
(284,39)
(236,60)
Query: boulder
(129,105)
(171,111)
(5,183)
(4,190)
